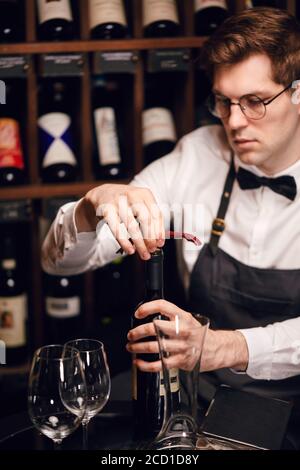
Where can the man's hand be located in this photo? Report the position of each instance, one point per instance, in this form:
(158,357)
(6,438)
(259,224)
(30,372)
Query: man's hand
(119,204)
(221,348)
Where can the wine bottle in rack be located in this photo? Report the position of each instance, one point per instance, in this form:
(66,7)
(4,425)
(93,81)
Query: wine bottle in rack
(11,24)
(148,388)
(107,19)
(158,125)
(63,306)
(56,141)
(107,129)
(12,168)
(160,18)
(13,302)
(55,20)
(209,15)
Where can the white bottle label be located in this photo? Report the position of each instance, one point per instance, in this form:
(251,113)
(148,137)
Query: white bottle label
(52,9)
(107,137)
(106,11)
(174,382)
(158,124)
(63,308)
(201,4)
(56,124)
(156,10)
(13,314)
(9,264)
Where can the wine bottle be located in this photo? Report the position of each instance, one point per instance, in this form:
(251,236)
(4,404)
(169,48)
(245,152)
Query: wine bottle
(158,126)
(63,307)
(13,303)
(107,19)
(107,129)
(57,150)
(12,168)
(148,387)
(209,15)
(55,20)
(160,18)
(11,25)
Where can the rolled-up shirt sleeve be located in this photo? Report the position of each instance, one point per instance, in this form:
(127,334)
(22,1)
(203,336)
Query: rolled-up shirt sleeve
(65,251)
(274,350)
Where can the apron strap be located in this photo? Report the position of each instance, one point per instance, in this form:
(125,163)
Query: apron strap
(218,225)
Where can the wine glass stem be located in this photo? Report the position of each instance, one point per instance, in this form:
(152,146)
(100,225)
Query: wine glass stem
(85,435)
(57,444)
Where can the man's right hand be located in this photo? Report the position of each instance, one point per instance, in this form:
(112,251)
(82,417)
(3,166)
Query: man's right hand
(119,204)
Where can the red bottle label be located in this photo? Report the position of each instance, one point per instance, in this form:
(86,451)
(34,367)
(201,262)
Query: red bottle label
(11,154)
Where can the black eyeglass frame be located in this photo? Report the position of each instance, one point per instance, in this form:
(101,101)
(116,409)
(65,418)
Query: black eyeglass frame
(231,103)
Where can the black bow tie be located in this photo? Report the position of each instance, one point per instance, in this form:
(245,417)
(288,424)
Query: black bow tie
(285,185)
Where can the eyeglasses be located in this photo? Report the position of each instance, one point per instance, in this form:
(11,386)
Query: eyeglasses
(251,106)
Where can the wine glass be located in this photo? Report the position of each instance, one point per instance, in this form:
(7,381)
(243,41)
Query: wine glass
(97,376)
(57,395)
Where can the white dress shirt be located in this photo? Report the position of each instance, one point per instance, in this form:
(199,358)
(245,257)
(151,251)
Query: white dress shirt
(262,230)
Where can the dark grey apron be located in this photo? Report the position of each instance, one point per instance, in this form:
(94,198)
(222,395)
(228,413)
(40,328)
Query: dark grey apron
(234,295)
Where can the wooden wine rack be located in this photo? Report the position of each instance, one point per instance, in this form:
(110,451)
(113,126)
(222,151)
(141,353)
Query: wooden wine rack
(184,117)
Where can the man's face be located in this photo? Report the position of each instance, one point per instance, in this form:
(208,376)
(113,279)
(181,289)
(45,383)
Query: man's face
(271,142)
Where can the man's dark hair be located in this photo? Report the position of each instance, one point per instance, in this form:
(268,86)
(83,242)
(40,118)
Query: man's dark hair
(261,30)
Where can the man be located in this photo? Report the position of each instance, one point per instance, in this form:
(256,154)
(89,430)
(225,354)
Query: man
(246,277)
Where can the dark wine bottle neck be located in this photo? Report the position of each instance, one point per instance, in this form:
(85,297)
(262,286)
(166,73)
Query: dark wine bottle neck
(154,276)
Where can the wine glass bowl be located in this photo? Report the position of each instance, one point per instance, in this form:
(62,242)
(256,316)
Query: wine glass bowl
(97,377)
(57,391)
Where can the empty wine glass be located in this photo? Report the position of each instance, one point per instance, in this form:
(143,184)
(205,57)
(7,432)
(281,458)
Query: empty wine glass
(57,394)
(97,376)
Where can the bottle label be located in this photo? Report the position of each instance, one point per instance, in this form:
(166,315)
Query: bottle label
(157,10)
(201,4)
(11,154)
(174,382)
(63,308)
(13,314)
(158,124)
(106,11)
(53,9)
(107,137)
(8,264)
(56,139)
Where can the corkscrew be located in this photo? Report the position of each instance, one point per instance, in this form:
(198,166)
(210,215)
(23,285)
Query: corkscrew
(170,234)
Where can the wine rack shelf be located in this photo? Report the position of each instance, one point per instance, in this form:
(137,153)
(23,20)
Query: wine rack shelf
(51,190)
(93,46)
